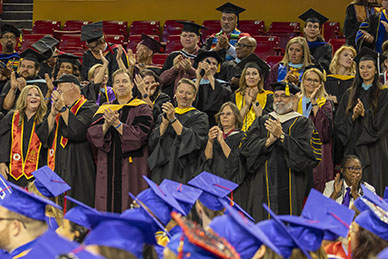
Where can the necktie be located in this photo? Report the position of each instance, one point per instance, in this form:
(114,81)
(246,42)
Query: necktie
(347,196)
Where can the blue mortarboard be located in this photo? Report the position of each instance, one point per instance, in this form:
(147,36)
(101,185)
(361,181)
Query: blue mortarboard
(48,183)
(383,254)
(214,187)
(374,198)
(124,233)
(26,203)
(385,197)
(195,242)
(325,210)
(78,214)
(5,189)
(373,219)
(184,194)
(241,232)
(50,245)
(286,231)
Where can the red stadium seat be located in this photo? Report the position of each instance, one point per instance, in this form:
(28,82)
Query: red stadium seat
(159,59)
(253,27)
(58,34)
(133,40)
(331,30)
(115,28)
(45,26)
(213,26)
(285,31)
(273,60)
(146,27)
(173,46)
(172,27)
(74,25)
(267,46)
(337,43)
(71,42)
(115,39)
(29,39)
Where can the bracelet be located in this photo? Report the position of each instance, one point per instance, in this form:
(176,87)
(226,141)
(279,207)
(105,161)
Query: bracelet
(118,125)
(315,104)
(173,120)
(257,104)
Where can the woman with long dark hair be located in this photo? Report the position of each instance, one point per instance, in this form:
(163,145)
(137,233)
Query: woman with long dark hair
(361,122)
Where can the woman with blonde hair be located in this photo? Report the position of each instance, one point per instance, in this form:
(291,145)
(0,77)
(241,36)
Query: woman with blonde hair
(314,105)
(296,59)
(21,151)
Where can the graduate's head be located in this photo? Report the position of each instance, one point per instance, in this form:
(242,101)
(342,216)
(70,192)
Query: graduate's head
(185,93)
(245,46)
(152,82)
(297,52)
(343,58)
(284,97)
(93,71)
(146,48)
(9,37)
(229,117)
(190,35)
(384,4)
(351,169)
(230,16)
(312,79)
(28,68)
(67,64)
(209,61)
(254,72)
(31,99)
(122,84)
(69,87)
(206,214)
(313,22)
(72,231)
(319,254)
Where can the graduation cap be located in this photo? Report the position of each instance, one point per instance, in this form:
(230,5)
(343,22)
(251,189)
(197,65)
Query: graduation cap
(184,194)
(230,8)
(372,197)
(10,28)
(325,210)
(46,46)
(241,232)
(196,242)
(150,43)
(78,214)
(369,54)
(286,235)
(50,245)
(69,58)
(252,60)
(123,233)
(92,32)
(374,220)
(48,183)
(191,27)
(5,189)
(288,87)
(206,54)
(32,55)
(26,203)
(313,16)
(383,254)
(67,78)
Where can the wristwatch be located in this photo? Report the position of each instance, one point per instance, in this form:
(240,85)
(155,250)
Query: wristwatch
(145,95)
(63,109)
(282,137)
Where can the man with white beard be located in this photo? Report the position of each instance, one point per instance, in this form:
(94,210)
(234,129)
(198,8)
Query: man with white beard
(280,151)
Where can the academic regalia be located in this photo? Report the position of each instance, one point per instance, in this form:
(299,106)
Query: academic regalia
(210,101)
(170,77)
(31,145)
(94,92)
(283,168)
(176,157)
(367,136)
(356,13)
(70,155)
(229,69)
(278,73)
(323,122)
(121,159)
(265,100)
(374,26)
(322,53)
(11,60)
(158,101)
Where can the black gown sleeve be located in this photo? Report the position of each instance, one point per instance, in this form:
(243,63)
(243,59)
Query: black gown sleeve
(5,138)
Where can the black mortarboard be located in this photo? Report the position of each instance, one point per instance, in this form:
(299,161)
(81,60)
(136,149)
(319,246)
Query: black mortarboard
(205,54)
(150,43)
(10,28)
(313,16)
(254,61)
(92,32)
(369,54)
(290,88)
(32,55)
(69,58)
(46,46)
(230,8)
(67,78)
(191,27)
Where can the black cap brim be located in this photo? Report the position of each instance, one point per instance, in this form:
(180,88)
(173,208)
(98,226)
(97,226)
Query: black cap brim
(206,54)
(150,43)
(191,27)
(70,58)
(92,32)
(369,54)
(32,55)
(254,61)
(230,8)
(10,28)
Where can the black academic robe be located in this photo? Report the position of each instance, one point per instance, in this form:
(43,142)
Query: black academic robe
(279,173)
(322,55)
(45,68)
(366,137)
(7,87)
(73,163)
(229,69)
(158,101)
(210,101)
(176,157)
(88,60)
(6,140)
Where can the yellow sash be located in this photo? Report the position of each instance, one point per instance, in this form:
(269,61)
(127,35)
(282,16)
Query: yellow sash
(183,110)
(116,107)
(341,77)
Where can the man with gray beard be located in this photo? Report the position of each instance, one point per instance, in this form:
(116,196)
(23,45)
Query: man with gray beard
(280,150)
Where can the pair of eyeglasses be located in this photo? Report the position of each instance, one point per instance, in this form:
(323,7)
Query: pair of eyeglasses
(24,225)
(283,96)
(243,45)
(310,80)
(353,169)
